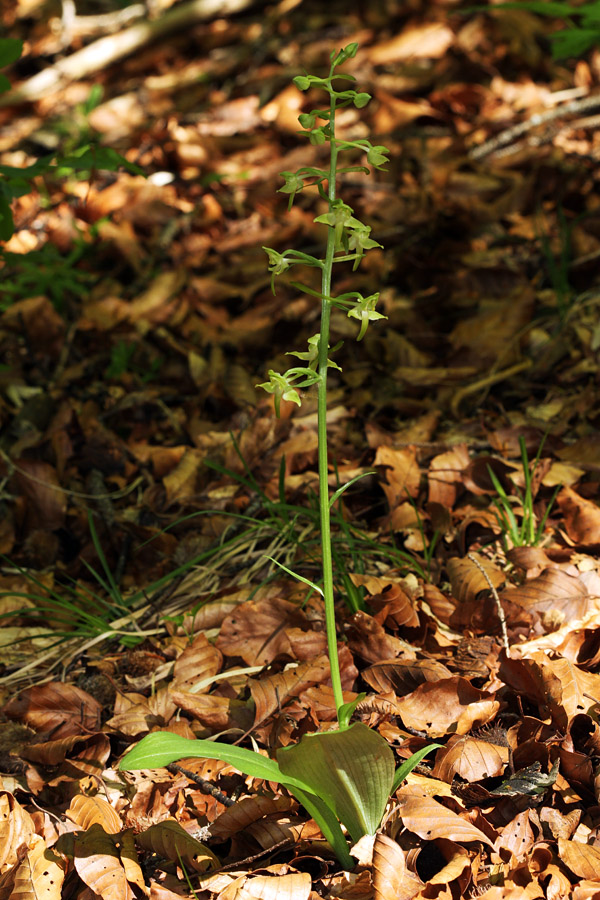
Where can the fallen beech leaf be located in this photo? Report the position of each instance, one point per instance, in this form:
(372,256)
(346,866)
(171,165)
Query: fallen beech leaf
(40,873)
(430,820)
(40,488)
(63,709)
(98,863)
(467,580)
(245,812)
(582,859)
(402,476)
(553,593)
(518,836)
(90,752)
(271,693)
(170,840)
(471,759)
(446,474)
(391,878)
(294,886)
(256,631)
(457,862)
(157,302)
(428,40)
(198,662)
(16,830)
(87,811)
(451,704)
(582,517)
(403,675)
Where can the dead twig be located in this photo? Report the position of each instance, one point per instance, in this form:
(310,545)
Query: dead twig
(499,609)
(112,48)
(510,135)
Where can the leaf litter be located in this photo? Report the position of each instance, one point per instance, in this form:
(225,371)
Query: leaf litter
(146,482)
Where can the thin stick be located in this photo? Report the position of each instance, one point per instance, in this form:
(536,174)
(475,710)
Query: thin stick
(499,609)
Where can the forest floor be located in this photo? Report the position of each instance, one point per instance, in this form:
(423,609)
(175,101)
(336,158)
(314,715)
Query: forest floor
(147,485)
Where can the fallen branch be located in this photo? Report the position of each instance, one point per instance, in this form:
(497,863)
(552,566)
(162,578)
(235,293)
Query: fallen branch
(112,48)
(510,135)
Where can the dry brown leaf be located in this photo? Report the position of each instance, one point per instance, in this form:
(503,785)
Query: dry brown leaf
(582,517)
(369,640)
(401,474)
(428,40)
(173,842)
(214,712)
(403,675)
(430,820)
(39,873)
(271,693)
(293,886)
(391,599)
(87,811)
(446,474)
(180,483)
(90,754)
(458,864)
(16,830)
(467,579)
(256,631)
(449,705)
(391,879)
(470,758)
(198,662)
(518,836)
(63,709)
(45,500)
(157,302)
(246,811)
(582,859)
(492,334)
(555,595)
(98,863)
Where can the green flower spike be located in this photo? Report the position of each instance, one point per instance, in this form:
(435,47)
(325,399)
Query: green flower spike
(340,218)
(281,388)
(278,264)
(293,184)
(377,156)
(364,310)
(359,241)
(311,356)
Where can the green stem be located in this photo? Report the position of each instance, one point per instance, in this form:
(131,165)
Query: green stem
(336,680)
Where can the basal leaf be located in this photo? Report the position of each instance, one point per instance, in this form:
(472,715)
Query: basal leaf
(351,770)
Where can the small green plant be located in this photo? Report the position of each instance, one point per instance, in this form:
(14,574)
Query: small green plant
(16,182)
(92,613)
(577,37)
(346,775)
(529,531)
(122,362)
(45,271)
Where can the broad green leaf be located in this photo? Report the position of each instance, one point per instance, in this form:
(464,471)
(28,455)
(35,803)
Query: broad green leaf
(351,770)
(327,822)
(163,747)
(7,226)
(409,764)
(10,51)
(540,7)
(574,41)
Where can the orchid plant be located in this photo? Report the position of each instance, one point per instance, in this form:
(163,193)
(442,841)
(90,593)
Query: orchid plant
(342,777)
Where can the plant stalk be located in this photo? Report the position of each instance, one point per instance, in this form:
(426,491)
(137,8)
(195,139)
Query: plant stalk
(332,650)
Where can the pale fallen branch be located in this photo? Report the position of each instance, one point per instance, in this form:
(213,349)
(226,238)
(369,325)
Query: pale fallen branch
(112,48)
